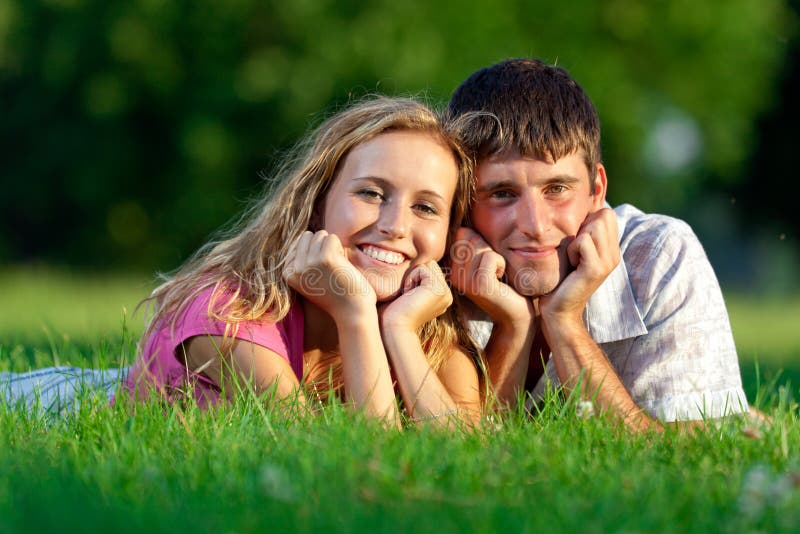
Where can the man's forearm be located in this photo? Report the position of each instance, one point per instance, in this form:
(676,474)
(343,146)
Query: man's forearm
(580,362)
(508,355)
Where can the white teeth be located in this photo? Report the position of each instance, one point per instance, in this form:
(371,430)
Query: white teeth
(386,256)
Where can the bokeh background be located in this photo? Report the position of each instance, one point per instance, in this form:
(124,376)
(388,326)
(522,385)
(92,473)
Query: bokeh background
(131,131)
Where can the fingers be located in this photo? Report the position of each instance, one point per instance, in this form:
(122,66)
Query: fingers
(427,275)
(327,249)
(492,263)
(304,243)
(414,278)
(290,270)
(316,248)
(476,268)
(595,250)
(467,234)
(310,250)
(466,245)
(582,252)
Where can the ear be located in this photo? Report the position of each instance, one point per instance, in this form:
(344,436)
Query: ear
(599,187)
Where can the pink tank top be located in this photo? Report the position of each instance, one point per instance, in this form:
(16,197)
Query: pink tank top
(161,365)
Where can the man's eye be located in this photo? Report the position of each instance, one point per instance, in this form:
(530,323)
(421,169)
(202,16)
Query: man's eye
(502,194)
(557,188)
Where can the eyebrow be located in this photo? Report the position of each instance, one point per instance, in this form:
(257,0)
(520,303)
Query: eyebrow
(388,185)
(500,184)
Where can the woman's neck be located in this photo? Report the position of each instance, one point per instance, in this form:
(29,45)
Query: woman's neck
(319,329)
(321,359)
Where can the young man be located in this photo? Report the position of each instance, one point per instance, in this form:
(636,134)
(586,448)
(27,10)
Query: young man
(622,304)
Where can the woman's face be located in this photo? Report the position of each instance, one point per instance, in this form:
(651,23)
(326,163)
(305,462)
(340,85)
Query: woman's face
(390,206)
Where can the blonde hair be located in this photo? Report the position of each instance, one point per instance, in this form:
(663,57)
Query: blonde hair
(245,267)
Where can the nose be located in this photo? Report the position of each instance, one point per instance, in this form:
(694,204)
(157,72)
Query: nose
(533,216)
(394,220)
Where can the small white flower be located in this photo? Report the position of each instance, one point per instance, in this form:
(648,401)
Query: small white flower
(275,483)
(585,409)
(493,424)
(752,496)
(762,490)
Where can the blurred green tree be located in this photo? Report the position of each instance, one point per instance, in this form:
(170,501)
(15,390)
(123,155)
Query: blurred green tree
(131,130)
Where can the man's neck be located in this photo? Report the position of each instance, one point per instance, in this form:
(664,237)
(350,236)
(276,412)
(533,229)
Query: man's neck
(540,353)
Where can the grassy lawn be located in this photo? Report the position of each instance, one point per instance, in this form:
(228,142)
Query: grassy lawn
(768,337)
(40,303)
(249,468)
(766,328)
(244,469)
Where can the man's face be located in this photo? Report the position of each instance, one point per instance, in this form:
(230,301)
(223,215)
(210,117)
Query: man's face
(529,210)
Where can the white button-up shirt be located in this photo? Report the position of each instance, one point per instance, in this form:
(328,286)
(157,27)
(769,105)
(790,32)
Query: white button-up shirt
(661,320)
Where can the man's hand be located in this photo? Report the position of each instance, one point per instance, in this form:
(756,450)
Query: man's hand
(477,271)
(578,359)
(594,252)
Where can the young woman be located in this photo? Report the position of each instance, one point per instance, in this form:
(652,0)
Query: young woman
(332,282)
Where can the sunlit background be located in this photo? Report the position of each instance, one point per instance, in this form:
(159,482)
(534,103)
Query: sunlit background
(131,131)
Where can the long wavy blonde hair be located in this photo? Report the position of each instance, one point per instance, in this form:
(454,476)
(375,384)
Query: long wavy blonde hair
(244,266)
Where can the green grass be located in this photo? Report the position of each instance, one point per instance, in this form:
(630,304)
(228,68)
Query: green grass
(242,469)
(51,316)
(41,305)
(248,468)
(767,339)
(766,328)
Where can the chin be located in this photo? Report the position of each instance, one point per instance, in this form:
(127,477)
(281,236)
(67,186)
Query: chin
(384,296)
(530,283)
(386,288)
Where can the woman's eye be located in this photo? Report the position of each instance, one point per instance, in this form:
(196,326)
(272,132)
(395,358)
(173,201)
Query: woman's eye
(370,194)
(427,209)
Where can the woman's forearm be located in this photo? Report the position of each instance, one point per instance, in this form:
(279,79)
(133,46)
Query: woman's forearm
(365,368)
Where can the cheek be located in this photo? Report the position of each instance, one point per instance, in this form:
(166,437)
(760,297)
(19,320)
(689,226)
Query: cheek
(571,219)
(489,224)
(347,218)
(431,242)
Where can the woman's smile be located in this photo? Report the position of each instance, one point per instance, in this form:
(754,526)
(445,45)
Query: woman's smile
(390,205)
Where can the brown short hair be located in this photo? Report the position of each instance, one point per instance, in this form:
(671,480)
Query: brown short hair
(530,107)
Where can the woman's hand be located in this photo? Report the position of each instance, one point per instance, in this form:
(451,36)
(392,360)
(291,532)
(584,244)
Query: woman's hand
(425,295)
(317,268)
(436,397)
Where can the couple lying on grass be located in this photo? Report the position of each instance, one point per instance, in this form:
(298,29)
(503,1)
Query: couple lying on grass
(458,260)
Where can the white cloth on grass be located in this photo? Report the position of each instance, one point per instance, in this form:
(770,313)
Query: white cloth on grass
(56,389)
